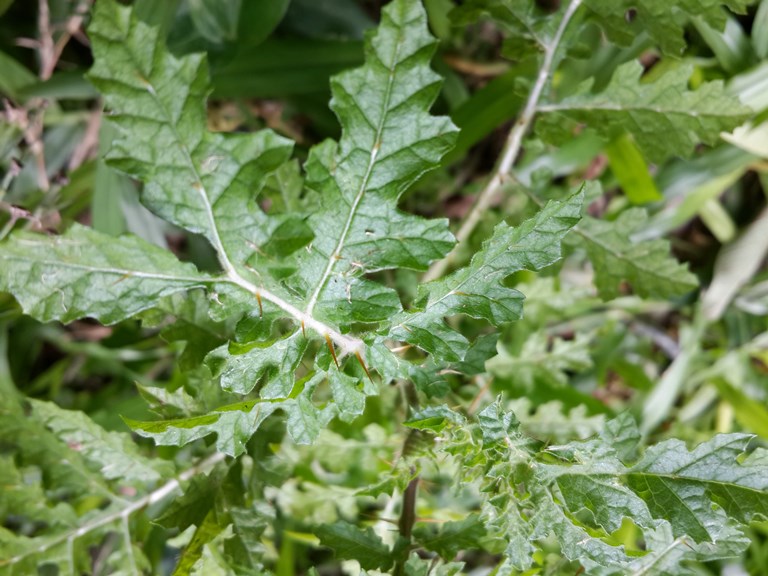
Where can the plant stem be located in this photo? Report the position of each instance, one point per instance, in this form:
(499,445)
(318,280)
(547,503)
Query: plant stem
(511,149)
(347,344)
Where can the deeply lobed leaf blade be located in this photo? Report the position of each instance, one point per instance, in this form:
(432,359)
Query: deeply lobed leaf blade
(83,273)
(201,181)
(664,117)
(478,290)
(388,141)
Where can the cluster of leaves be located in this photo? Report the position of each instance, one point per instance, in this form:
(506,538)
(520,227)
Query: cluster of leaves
(297,398)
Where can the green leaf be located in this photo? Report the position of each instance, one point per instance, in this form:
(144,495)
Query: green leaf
(116,456)
(240,367)
(204,182)
(631,170)
(542,361)
(496,424)
(693,490)
(434,418)
(478,289)
(664,21)
(285,67)
(664,117)
(85,273)
(647,265)
(349,542)
(234,425)
(349,394)
(207,183)
(388,141)
(208,529)
(676,497)
(452,537)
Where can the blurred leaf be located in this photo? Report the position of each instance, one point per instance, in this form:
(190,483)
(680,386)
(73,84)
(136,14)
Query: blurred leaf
(217,21)
(664,21)
(487,108)
(541,361)
(159,14)
(280,68)
(731,46)
(349,542)
(751,87)
(663,117)
(736,264)
(452,537)
(62,85)
(750,138)
(647,266)
(631,171)
(751,414)
(13,76)
(328,19)
(108,188)
(760,30)
(659,403)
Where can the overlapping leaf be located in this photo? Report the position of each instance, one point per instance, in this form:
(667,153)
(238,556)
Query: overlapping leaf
(688,503)
(530,24)
(478,290)
(664,21)
(202,181)
(87,273)
(73,456)
(663,116)
(114,453)
(388,141)
(647,265)
(207,183)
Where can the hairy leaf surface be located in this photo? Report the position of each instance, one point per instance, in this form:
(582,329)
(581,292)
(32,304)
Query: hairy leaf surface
(86,273)
(202,181)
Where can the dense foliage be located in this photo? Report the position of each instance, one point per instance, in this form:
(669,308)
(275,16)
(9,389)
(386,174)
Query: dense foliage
(506,318)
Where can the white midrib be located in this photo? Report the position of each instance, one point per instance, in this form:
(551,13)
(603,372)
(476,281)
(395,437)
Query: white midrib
(157,495)
(347,344)
(336,254)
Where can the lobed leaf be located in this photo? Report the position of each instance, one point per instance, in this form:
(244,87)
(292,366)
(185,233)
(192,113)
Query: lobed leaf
(114,453)
(349,542)
(86,273)
(202,181)
(388,141)
(647,265)
(478,290)
(623,20)
(685,503)
(664,117)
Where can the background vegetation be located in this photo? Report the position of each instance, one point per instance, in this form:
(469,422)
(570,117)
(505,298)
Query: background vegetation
(617,327)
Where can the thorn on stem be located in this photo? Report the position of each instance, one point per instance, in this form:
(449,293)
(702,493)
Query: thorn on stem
(303,332)
(261,309)
(362,363)
(333,352)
